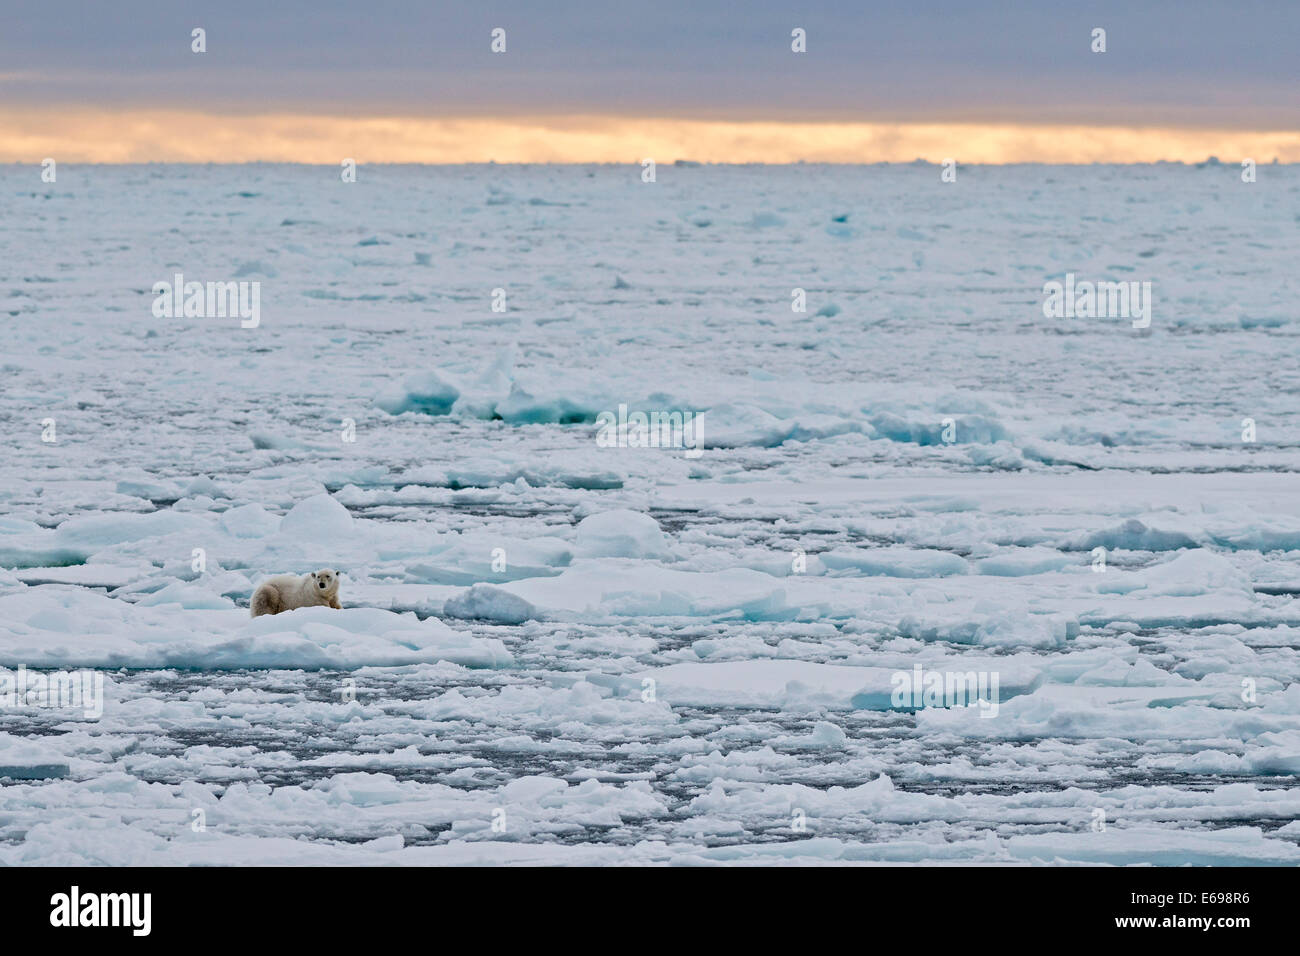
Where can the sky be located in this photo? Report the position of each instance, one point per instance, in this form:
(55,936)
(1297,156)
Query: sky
(613,81)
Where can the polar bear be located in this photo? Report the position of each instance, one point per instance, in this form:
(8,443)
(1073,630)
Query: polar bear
(284,592)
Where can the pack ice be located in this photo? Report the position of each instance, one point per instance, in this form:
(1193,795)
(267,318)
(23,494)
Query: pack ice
(554,650)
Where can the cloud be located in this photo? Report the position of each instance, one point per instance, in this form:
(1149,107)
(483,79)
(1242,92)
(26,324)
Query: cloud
(1185,63)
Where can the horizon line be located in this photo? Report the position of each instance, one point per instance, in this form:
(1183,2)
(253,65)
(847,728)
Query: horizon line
(681,162)
(144,136)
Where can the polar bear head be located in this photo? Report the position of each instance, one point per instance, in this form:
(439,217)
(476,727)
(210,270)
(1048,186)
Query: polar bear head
(325,582)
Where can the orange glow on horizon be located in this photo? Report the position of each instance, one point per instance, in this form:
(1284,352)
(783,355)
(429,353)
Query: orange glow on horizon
(141,136)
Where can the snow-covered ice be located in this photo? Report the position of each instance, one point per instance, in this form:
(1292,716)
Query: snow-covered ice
(555,651)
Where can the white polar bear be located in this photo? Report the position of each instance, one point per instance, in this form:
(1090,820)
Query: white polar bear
(284,592)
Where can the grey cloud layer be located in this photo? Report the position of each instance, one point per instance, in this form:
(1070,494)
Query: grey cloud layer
(1178,63)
